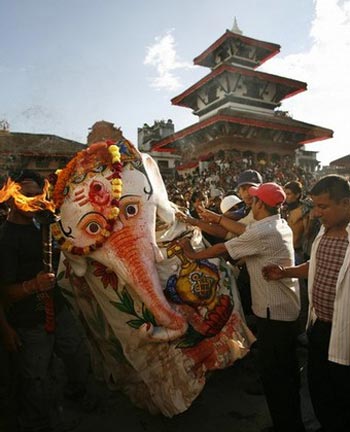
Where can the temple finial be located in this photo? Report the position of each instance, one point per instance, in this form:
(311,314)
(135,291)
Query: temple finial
(235,28)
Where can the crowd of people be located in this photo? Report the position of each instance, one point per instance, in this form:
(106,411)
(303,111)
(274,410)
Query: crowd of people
(285,239)
(275,223)
(220,175)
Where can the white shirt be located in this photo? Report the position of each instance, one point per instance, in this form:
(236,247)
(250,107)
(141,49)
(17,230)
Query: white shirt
(268,241)
(247,219)
(339,345)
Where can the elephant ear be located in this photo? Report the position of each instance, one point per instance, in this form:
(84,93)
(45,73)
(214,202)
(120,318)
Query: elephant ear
(78,263)
(164,209)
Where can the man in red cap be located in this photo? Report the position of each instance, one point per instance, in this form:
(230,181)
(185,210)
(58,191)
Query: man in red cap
(276,304)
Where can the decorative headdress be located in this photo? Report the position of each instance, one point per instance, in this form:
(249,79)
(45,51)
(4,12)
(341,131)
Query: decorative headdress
(94,159)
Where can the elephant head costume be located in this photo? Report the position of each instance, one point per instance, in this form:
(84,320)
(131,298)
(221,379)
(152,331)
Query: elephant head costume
(156,320)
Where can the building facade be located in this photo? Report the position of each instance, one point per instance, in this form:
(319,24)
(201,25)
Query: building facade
(42,153)
(238,109)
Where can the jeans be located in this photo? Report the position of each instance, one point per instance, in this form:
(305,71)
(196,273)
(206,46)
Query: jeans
(39,395)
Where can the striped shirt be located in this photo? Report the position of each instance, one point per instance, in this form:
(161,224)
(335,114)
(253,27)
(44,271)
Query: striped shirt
(329,258)
(268,241)
(247,219)
(339,344)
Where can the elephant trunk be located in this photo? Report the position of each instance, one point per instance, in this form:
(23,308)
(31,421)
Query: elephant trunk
(137,256)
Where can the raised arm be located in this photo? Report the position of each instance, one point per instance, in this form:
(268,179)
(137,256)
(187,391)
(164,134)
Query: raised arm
(223,221)
(211,252)
(207,227)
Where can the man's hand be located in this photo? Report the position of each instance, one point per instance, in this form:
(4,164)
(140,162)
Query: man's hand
(273,272)
(184,218)
(208,215)
(43,281)
(186,247)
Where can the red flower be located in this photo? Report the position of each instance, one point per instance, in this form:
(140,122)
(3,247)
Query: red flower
(108,277)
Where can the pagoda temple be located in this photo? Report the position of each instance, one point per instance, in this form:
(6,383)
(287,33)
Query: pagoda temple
(238,106)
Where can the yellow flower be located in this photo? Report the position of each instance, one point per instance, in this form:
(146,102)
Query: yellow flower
(105,233)
(55,230)
(114,151)
(114,212)
(67,245)
(117,187)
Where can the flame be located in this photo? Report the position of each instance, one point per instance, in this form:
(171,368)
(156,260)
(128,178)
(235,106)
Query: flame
(31,204)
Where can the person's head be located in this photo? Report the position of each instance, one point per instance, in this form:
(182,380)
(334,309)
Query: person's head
(293,190)
(32,184)
(198,198)
(26,176)
(245,180)
(267,199)
(230,203)
(331,199)
(215,198)
(187,195)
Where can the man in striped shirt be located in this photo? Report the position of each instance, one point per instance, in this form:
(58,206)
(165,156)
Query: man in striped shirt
(276,304)
(328,273)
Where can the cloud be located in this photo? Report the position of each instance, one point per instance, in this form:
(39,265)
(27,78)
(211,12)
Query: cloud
(162,56)
(325,68)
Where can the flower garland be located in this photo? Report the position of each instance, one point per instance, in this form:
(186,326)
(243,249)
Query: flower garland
(61,178)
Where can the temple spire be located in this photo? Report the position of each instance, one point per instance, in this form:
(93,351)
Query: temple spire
(235,28)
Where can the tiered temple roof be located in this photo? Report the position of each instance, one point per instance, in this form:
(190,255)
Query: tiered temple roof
(237,105)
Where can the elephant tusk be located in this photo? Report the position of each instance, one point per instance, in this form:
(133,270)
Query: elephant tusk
(161,334)
(158,255)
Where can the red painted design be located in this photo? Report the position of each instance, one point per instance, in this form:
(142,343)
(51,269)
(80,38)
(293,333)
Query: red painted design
(107,276)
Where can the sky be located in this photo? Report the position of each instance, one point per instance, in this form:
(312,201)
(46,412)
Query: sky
(65,64)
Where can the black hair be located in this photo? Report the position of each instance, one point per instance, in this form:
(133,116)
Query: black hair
(20,175)
(336,186)
(197,195)
(271,210)
(295,186)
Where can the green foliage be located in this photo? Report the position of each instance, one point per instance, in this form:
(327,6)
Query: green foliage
(126,305)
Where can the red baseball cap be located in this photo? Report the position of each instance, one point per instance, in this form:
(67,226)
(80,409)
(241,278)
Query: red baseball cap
(271,194)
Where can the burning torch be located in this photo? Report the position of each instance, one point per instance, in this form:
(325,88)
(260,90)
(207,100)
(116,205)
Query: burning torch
(45,216)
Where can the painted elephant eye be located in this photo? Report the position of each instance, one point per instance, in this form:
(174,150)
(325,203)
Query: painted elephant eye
(93,228)
(131,210)
(78,178)
(92,224)
(99,168)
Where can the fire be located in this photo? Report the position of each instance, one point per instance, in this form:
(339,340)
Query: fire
(31,204)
